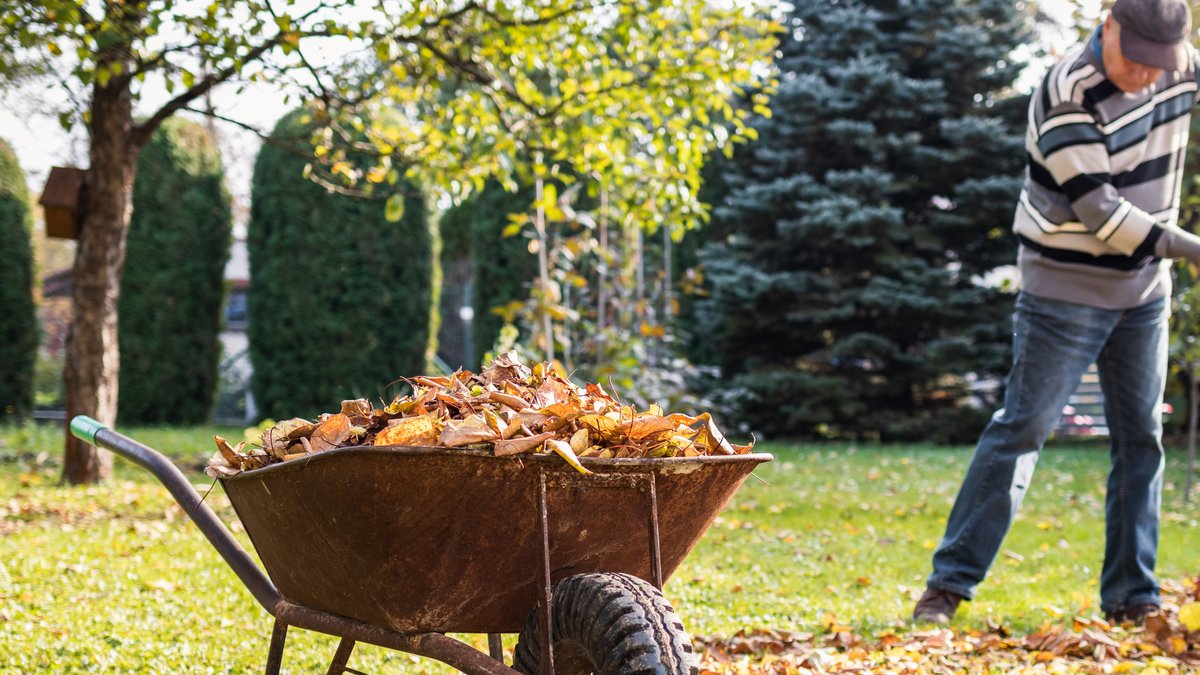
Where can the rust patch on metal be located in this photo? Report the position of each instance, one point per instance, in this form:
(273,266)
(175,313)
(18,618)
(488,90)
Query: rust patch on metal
(430,540)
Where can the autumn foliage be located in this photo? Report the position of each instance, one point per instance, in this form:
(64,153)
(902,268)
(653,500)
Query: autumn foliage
(508,408)
(1169,642)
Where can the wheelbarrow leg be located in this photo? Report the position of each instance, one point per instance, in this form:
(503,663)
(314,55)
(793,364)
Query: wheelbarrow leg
(341,657)
(275,655)
(495,647)
(545,604)
(655,545)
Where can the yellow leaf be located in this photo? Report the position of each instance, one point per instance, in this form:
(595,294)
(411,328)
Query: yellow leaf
(652,331)
(564,451)
(420,430)
(579,441)
(494,421)
(1189,614)
(549,197)
(394,208)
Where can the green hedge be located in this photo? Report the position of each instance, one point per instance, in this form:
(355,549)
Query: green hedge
(504,267)
(18,320)
(341,301)
(173,285)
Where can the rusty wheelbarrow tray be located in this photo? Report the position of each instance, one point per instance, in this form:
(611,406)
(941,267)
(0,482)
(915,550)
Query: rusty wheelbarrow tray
(396,546)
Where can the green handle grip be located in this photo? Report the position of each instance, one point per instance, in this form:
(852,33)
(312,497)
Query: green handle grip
(85,428)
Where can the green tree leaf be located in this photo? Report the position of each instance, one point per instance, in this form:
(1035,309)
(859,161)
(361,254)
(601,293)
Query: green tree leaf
(394,210)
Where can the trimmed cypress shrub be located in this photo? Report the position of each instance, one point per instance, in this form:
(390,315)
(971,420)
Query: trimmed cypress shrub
(504,267)
(173,285)
(341,301)
(18,320)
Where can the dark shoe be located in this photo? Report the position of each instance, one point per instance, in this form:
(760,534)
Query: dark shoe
(1135,615)
(936,606)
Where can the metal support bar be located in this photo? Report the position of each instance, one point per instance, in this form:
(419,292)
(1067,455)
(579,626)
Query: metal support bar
(275,655)
(545,611)
(643,482)
(341,657)
(459,655)
(496,647)
(655,544)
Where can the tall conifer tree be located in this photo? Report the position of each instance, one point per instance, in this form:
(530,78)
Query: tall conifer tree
(504,267)
(848,298)
(341,301)
(18,320)
(173,285)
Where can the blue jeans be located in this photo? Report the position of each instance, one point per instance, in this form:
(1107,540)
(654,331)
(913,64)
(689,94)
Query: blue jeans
(1054,342)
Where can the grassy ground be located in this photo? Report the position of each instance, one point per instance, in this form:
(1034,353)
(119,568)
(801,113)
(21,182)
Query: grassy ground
(114,578)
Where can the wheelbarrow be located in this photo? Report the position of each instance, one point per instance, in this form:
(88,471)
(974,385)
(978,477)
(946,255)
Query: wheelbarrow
(396,546)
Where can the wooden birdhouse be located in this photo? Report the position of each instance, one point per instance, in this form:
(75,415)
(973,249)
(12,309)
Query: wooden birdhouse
(63,202)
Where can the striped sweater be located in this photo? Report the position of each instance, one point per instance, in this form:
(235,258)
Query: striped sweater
(1098,211)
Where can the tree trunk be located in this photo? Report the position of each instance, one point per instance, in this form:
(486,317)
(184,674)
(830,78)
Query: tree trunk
(93,360)
(1193,413)
(599,339)
(544,272)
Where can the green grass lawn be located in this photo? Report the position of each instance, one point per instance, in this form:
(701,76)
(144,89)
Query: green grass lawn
(114,578)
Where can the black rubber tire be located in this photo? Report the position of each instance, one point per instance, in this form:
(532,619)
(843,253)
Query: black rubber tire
(608,624)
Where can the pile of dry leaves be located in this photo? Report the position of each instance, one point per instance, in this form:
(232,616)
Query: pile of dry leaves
(1168,643)
(508,408)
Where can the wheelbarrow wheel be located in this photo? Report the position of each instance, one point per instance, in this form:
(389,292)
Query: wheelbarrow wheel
(608,624)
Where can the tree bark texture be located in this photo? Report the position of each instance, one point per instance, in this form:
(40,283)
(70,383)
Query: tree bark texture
(93,359)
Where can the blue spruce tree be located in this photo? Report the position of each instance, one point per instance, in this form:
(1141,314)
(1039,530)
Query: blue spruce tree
(848,295)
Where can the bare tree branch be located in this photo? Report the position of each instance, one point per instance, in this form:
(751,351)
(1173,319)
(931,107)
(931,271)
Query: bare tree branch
(145,66)
(228,120)
(142,132)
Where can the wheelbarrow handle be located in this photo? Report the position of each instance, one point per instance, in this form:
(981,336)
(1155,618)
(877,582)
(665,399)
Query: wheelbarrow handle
(89,430)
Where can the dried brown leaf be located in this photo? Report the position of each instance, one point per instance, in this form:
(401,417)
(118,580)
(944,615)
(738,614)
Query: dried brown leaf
(515,402)
(467,431)
(330,433)
(518,446)
(506,367)
(356,407)
(230,454)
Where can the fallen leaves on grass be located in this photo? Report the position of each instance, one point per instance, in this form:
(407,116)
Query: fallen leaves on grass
(1169,642)
(508,408)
